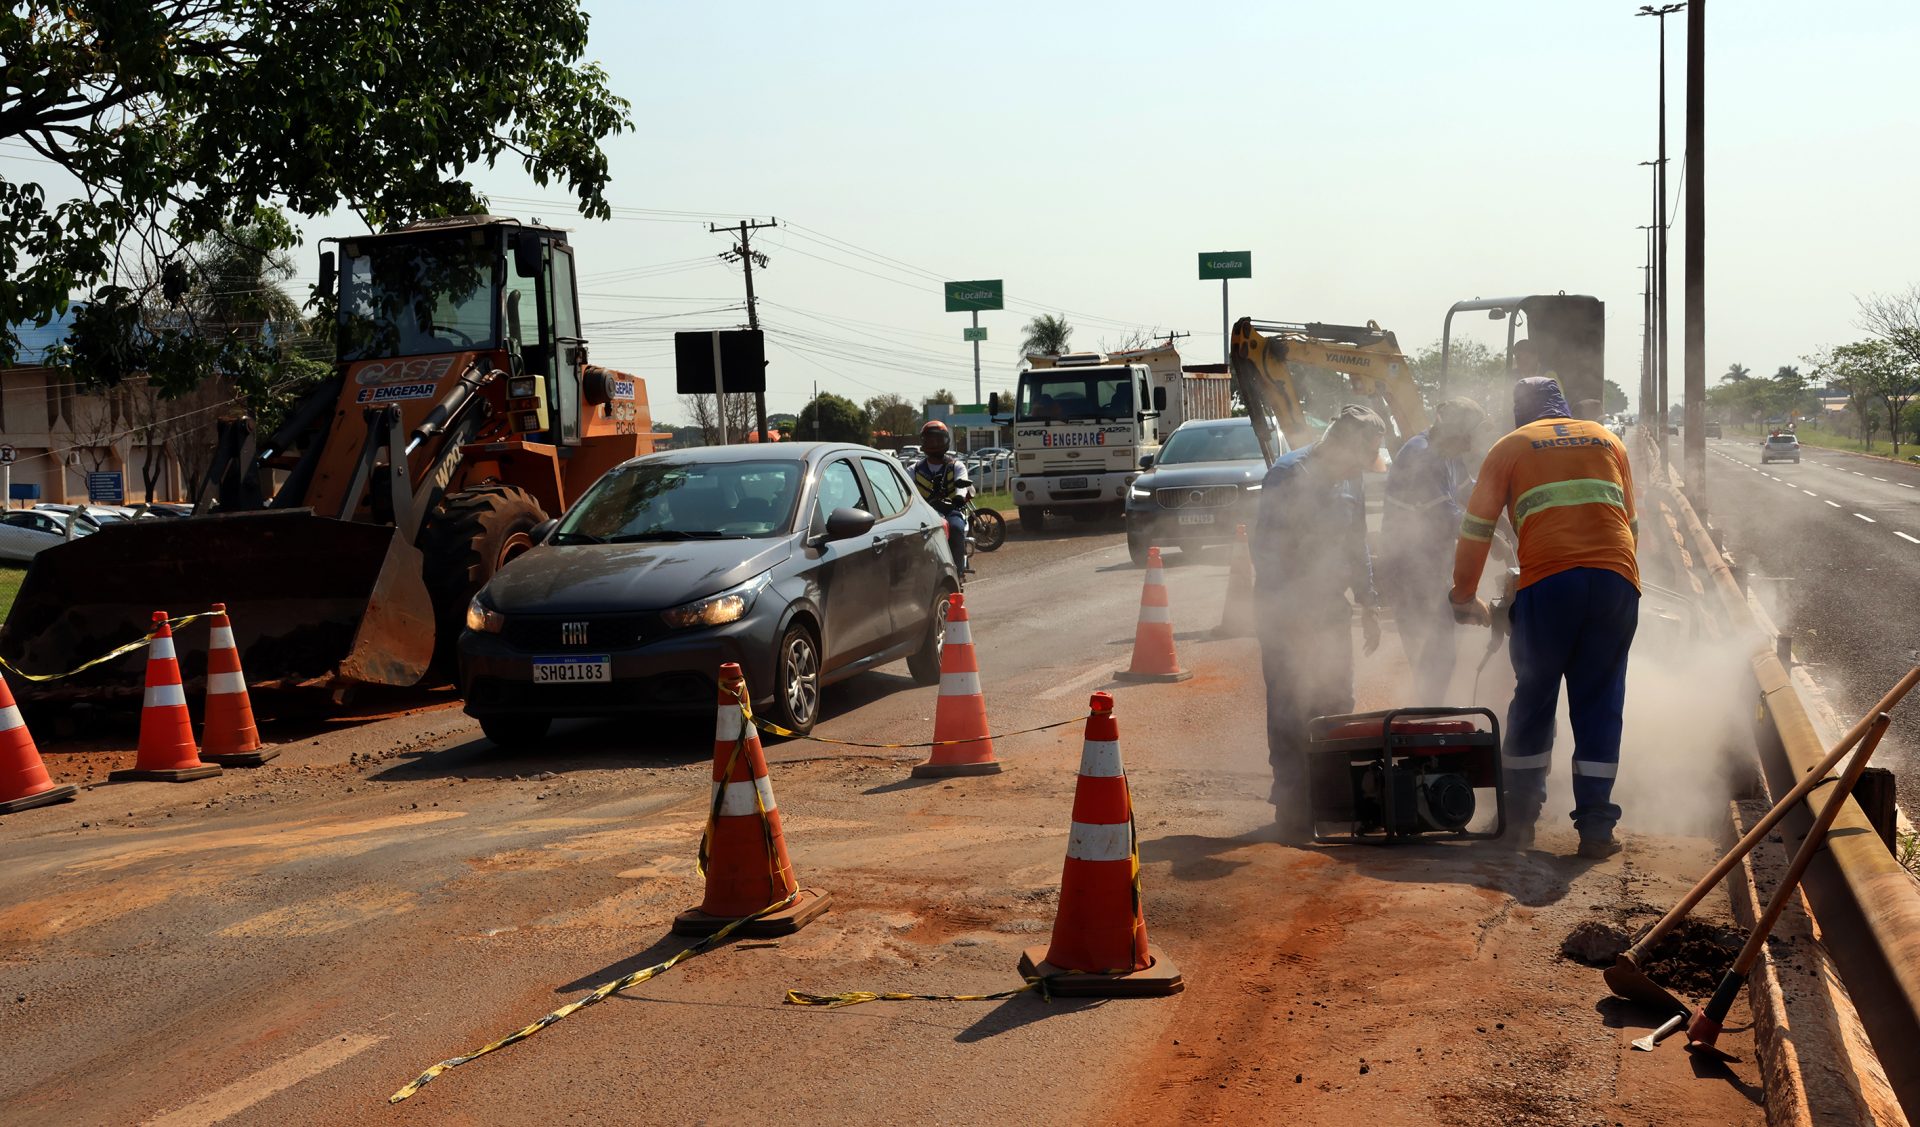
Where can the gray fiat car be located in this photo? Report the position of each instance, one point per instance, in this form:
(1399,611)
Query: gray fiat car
(805,562)
(1204,481)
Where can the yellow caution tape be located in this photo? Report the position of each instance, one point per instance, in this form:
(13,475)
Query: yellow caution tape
(856,997)
(777,730)
(607,989)
(103,658)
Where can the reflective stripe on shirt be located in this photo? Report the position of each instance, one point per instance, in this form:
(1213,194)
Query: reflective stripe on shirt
(1579,491)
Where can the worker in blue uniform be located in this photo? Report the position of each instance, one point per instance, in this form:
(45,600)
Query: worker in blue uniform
(1425,501)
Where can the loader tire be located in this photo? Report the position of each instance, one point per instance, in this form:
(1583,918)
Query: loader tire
(473,534)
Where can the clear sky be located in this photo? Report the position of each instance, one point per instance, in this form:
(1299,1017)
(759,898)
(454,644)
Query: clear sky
(1380,161)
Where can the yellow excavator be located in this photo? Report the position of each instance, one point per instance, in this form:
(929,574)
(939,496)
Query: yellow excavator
(1367,356)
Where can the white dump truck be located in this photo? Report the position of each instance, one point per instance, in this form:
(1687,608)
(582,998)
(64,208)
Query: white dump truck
(1083,420)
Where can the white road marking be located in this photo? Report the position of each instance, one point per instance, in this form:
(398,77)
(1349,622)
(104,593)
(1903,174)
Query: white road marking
(1091,676)
(1809,493)
(1856,473)
(1835,504)
(1908,539)
(244,1093)
(1879,479)
(1866,518)
(1903,485)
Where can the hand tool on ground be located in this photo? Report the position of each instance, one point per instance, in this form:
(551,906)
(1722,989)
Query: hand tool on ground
(1646,1044)
(1625,977)
(1705,1029)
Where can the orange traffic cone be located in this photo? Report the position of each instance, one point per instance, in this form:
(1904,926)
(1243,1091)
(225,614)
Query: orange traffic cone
(1236,618)
(1099,943)
(961,743)
(23,778)
(743,851)
(167,751)
(1153,657)
(228,736)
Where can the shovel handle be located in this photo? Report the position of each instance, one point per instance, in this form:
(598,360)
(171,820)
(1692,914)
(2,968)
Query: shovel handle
(1804,787)
(1816,837)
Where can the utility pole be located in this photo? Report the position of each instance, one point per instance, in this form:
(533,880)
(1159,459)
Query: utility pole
(747,257)
(1695,332)
(1660,15)
(1649,382)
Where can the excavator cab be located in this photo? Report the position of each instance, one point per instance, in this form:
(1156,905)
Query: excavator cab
(1568,330)
(461,415)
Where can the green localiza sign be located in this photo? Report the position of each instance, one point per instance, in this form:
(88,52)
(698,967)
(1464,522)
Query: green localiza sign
(1226,264)
(968,297)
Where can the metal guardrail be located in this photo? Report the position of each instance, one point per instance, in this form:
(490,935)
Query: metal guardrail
(1866,905)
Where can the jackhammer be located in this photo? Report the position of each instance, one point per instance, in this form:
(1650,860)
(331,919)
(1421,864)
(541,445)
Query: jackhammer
(1500,619)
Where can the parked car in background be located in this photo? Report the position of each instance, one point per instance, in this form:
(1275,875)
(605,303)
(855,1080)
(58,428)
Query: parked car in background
(1780,448)
(99,514)
(908,455)
(25,533)
(805,562)
(1203,482)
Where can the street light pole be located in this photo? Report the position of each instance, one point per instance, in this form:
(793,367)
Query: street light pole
(1660,15)
(1695,331)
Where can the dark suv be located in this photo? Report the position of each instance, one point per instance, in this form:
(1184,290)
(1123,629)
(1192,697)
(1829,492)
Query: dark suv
(1205,480)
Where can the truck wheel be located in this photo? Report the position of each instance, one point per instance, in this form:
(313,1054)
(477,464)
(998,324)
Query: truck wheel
(1033,518)
(473,534)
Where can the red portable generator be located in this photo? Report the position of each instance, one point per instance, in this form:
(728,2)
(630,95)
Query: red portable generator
(1383,777)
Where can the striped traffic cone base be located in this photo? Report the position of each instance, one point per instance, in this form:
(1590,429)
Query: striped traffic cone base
(932,770)
(61,793)
(164,774)
(255,758)
(1160,978)
(808,905)
(230,737)
(1153,657)
(1152,678)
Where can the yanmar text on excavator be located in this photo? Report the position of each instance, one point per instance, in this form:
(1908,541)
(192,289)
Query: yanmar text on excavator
(461,416)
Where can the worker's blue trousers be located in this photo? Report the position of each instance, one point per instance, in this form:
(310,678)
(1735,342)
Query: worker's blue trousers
(1575,626)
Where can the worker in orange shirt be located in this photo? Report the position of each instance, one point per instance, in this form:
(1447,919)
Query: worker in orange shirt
(1567,488)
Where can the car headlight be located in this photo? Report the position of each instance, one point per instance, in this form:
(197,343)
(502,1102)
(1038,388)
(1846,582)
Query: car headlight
(1139,494)
(716,610)
(1253,488)
(483,619)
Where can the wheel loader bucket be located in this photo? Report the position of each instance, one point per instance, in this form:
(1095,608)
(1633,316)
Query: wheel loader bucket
(315,602)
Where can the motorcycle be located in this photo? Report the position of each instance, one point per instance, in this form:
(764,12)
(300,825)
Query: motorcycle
(986,528)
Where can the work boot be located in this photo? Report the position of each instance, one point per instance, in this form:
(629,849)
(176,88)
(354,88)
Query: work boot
(1599,848)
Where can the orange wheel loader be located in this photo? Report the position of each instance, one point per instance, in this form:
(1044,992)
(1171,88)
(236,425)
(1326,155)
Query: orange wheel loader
(462,415)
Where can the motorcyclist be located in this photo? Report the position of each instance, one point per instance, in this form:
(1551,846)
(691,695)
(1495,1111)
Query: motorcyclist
(942,480)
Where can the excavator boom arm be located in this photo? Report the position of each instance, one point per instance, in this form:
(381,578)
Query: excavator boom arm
(1368,357)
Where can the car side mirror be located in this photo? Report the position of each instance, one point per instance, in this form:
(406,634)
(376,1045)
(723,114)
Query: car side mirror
(845,524)
(1159,398)
(542,531)
(1146,461)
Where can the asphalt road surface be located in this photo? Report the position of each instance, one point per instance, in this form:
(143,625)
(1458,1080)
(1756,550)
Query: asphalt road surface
(292,944)
(1834,545)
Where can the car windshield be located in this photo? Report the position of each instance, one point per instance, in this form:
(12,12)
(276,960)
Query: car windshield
(1105,393)
(417,297)
(1210,444)
(682,501)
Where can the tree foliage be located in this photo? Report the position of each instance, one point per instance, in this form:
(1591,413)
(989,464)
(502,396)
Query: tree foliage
(831,418)
(177,118)
(893,414)
(1047,335)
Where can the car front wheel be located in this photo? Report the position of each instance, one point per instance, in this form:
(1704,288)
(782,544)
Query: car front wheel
(796,690)
(925,664)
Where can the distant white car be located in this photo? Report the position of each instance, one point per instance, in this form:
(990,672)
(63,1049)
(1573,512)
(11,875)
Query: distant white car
(25,533)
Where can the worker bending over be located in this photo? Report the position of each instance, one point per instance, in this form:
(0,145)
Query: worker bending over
(1310,550)
(1566,486)
(1426,493)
